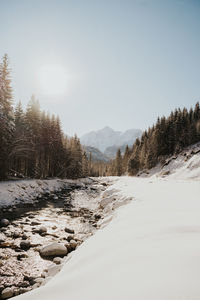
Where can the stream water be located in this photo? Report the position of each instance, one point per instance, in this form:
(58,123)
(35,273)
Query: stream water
(42,224)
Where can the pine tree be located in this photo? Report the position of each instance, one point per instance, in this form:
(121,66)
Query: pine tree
(118,163)
(6,117)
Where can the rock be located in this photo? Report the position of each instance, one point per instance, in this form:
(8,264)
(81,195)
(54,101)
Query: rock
(55,197)
(97,217)
(54,227)
(20,256)
(57,260)
(24,284)
(4,222)
(24,290)
(68,230)
(7,293)
(30,279)
(53,270)
(16,292)
(72,245)
(24,237)
(25,245)
(70,237)
(54,249)
(42,230)
(16,234)
(34,223)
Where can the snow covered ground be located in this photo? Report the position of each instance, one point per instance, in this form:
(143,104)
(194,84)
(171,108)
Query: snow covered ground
(150,249)
(15,192)
(185,165)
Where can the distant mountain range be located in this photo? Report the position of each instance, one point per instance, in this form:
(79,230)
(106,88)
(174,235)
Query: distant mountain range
(108,140)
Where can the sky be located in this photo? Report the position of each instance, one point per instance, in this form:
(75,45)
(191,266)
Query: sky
(124,62)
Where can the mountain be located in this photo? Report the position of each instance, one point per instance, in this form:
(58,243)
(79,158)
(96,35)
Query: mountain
(97,155)
(107,137)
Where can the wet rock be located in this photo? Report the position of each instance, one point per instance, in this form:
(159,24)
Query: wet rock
(34,223)
(7,293)
(30,279)
(4,222)
(25,245)
(16,292)
(16,234)
(57,260)
(24,284)
(70,237)
(24,290)
(72,245)
(24,237)
(42,230)
(21,256)
(68,230)
(97,217)
(54,249)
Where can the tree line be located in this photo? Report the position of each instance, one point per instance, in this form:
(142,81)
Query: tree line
(168,136)
(32,143)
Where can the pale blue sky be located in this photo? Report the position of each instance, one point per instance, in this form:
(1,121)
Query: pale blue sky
(127,61)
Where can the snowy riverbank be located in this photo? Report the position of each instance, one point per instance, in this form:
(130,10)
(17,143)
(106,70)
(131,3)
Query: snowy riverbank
(150,250)
(27,191)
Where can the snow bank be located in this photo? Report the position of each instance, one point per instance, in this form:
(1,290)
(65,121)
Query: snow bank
(15,192)
(185,165)
(150,250)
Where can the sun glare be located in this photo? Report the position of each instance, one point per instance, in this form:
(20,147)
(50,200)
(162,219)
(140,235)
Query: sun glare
(53,79)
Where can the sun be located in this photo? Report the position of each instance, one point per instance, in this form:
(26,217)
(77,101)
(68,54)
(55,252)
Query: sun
(53,79)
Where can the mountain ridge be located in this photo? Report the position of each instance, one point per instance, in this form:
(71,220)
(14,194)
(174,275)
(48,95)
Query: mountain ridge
(108,137)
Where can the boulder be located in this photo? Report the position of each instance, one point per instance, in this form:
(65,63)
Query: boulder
(25,245)
(54,249)
(42,230)
(68,230)
(4,222)
(7,293)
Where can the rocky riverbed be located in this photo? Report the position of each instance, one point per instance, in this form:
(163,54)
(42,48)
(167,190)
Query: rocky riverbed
(37,239)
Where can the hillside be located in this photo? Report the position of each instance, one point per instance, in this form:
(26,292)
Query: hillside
(96,154)
(185,165)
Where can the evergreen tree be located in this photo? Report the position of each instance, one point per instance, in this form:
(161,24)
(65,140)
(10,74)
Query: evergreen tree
(6,117)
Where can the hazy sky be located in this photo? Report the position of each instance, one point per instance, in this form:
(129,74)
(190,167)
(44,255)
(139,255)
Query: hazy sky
(126,61)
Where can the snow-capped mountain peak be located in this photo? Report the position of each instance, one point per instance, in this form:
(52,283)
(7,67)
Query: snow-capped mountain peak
(107,137)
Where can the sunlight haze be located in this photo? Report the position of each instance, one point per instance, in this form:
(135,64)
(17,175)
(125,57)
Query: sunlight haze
(126,62)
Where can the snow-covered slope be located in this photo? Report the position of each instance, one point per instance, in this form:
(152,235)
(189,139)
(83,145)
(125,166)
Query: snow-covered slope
(150,250)
(107,137)
(185,165)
